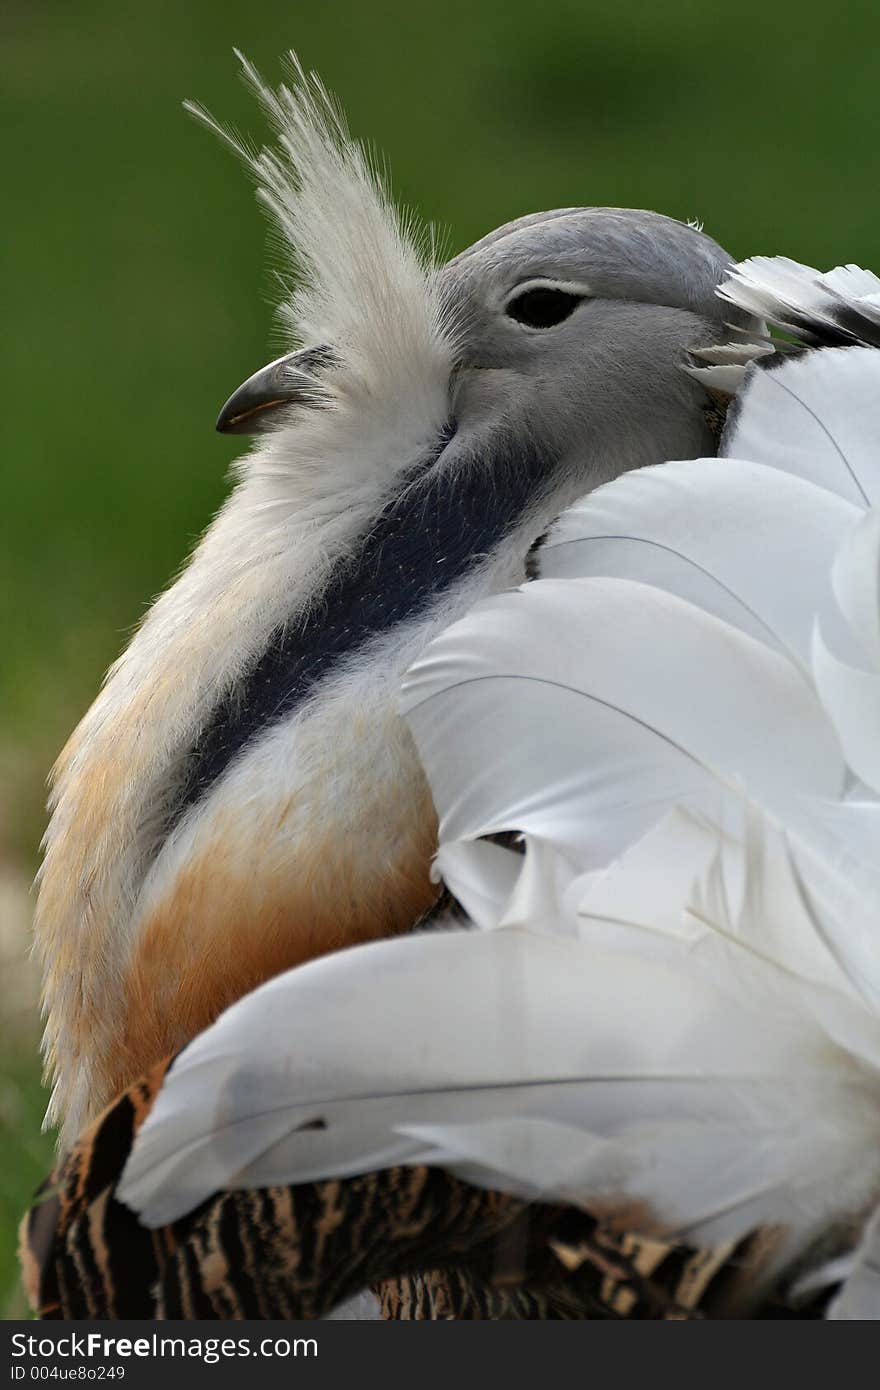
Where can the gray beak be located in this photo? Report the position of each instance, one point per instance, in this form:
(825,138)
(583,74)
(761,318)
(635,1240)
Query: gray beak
(290,380)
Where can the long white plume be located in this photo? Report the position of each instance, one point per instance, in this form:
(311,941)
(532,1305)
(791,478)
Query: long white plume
(358,260)
(673,1008)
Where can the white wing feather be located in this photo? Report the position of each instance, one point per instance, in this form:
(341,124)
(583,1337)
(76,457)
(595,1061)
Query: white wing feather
(550,1067)
(578,710)
(817,416)
(686,527)
(852,694)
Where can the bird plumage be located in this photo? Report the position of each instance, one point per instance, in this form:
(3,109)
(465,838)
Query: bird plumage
(243,794)
(670,1014)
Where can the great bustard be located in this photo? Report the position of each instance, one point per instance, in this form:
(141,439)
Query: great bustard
(673,1019)
(243,794)
(670,1019)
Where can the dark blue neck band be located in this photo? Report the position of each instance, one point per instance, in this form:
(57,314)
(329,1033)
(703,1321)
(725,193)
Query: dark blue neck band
(440,526)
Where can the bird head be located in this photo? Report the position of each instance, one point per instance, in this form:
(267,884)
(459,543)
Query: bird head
(243,793)
(565,333)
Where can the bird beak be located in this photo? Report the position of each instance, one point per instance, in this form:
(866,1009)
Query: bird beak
(290,380)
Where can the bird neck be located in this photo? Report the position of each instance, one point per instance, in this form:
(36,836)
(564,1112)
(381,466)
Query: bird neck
(427,542)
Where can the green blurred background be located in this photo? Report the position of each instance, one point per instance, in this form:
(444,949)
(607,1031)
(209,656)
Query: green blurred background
(137,290)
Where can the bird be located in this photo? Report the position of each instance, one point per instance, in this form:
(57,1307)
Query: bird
(244,795)
(664,1014)
(667,1008)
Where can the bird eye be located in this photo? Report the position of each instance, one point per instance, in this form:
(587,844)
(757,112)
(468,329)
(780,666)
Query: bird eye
(543,307)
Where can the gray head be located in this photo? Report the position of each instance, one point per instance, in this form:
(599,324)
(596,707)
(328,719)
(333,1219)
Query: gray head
(571,330)
(605,253)
(582,318)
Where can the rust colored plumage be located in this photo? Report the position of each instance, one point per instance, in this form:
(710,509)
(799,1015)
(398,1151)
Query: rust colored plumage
(252,927)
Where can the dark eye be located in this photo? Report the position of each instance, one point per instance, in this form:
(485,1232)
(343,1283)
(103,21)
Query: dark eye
(543,307)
